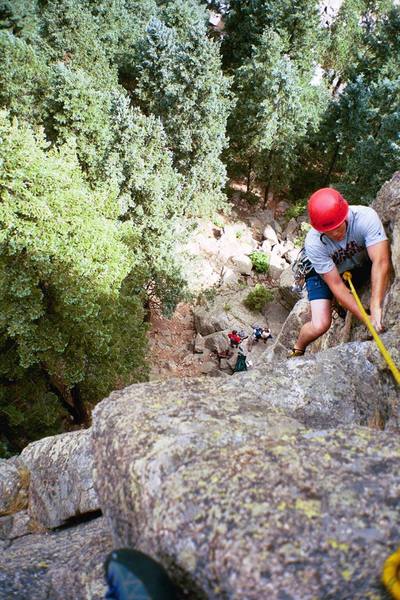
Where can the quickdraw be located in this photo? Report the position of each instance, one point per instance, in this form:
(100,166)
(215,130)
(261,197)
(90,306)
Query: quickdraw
(301,267)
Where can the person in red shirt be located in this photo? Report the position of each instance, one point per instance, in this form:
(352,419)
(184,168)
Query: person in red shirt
(234,338)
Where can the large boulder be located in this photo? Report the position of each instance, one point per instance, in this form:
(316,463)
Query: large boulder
(225,483)
(287,290)
(387,205)
(242,264)
(276,265)
(61,478)
(14,484)
(66,564)
(236,240)
(217,342)
(269,233)
(207,323)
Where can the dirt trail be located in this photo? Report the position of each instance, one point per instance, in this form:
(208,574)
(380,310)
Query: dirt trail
(171,345)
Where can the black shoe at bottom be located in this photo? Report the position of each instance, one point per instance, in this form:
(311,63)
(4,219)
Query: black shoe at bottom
(132,575)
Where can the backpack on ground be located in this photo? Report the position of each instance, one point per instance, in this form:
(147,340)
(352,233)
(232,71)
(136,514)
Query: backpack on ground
(240,362)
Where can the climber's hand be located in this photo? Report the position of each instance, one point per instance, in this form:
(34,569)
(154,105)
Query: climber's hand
(376,318)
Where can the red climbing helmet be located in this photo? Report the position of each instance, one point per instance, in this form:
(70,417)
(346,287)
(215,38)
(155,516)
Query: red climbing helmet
(327,209)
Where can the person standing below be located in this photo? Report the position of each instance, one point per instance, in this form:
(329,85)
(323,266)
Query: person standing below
(342,238)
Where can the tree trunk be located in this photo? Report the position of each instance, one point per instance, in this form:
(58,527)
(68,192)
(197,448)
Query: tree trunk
(268,195)
(248,182)
(70,399)
(331,166)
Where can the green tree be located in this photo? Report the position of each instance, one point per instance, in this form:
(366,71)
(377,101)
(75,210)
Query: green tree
(24,77)
(77,106)
(70,35)
(347,35)
(20,18)
(359,137)
(150,198)
(298,20)
(180,81)
(71,320)
(276,106)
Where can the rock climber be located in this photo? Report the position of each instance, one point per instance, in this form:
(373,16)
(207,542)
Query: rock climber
(342,238)
(259,333)
(234,338)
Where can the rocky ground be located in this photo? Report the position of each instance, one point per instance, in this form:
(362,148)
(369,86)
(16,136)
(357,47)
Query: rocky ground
(172,341)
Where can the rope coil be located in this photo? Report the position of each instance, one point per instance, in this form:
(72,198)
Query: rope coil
(390,574)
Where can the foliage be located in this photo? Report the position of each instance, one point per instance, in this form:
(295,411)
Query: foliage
(68,315)
(70,35)
(246,22)
(180,81)
(260,261)
(348,43)
(75,106)
(296,210)
(24,77)
(276,107)
(251,198)
(301,237)
(359,138)
(258,298)
(150,199)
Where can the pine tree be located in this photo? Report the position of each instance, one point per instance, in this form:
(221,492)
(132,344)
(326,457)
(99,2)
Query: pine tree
(181,83)
(360,138)
(76,105)
(71,323)
(276,105)
(151,200)
(297,20)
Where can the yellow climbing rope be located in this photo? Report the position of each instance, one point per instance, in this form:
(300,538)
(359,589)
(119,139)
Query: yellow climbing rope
(390,574)
(378,341)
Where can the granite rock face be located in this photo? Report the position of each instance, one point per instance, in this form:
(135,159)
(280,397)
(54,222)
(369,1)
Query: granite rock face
(61,484)
(14,482)
(238,498)
(62,565)
(387,205)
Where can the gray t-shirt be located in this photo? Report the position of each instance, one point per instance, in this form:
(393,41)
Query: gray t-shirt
(364,229)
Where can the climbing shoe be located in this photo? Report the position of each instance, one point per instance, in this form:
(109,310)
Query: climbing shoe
(295,352)
(131,575)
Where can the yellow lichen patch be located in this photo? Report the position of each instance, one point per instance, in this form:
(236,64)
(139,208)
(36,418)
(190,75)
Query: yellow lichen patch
(338,545)
(346,574)
(311,508)
(282,505)
(259,509)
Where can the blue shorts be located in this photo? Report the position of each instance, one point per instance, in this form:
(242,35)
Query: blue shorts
(317,289)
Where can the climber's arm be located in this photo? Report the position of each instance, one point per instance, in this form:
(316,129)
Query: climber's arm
(381,264)
(341,292)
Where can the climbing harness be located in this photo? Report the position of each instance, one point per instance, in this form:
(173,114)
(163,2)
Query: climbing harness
(301,267)
(391,573)
(378,341)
